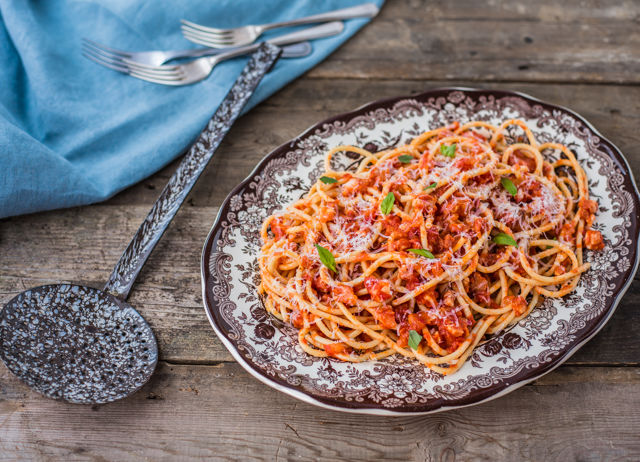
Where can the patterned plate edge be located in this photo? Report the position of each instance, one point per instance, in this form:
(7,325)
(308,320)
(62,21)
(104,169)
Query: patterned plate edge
(480,396)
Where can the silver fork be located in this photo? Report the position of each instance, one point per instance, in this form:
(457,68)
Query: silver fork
(199,69)
(114,58)
(222,38)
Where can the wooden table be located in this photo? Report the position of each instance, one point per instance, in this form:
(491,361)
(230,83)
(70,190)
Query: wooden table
(200,403)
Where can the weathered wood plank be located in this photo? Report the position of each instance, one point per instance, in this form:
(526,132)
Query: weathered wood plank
(220,412)
(189,412)
(542,40)
(83,244)
(613,109)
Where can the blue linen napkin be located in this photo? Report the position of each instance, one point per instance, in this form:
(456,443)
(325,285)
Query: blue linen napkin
(73,132)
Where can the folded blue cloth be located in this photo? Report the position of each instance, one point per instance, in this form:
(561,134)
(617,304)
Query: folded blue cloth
(73,132)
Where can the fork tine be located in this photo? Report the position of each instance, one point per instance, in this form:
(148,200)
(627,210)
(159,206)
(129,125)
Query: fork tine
(158,75)
(197,39)
(106,48)
(162,69)
(161,72)
(126,65)
(163,81)
(105,54)
(175,76)
(204,40)
(126,68)
(208,33)
(208,30)
(99,60)
(207,36)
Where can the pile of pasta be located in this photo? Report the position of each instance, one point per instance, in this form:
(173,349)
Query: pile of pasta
(425,249)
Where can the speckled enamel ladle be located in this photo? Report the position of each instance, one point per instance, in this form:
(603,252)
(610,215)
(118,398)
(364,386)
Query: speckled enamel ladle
(85,345)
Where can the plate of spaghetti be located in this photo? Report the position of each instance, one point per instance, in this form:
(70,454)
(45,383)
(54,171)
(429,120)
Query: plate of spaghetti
(423,253)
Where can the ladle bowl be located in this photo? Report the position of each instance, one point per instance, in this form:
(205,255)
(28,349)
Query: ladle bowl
(77,343)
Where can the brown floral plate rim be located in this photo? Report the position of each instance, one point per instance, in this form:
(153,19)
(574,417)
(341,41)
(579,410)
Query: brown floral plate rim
(477,396)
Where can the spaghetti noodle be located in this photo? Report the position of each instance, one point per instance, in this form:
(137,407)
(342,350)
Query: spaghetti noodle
(426,248)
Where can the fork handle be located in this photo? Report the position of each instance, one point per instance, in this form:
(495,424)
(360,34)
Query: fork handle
(324,30)
(366,10)
(296,50)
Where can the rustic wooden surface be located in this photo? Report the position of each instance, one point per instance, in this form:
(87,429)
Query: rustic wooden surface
(200,404)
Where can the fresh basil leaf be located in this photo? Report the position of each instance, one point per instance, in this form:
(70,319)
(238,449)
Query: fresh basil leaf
(326,257)
(509,186)
(387,203)
(448,151)
(405,158)
(423,252)
(414,339)
(328,180)
(504,239)
(431,186)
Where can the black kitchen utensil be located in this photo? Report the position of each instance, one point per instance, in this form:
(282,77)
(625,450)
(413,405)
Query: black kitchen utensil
(85,345)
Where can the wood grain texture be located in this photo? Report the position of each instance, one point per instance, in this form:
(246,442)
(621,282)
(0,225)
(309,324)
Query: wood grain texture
(40,249)
(538,40)
(613,109)
(583,54)
(167,292)
(220,412)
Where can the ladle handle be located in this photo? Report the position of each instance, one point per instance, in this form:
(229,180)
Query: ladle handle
(194,162)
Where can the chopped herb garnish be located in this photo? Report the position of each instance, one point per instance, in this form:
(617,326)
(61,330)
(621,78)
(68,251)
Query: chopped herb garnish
(328,180)
(405,158)
(431,186)
(448,151)
(326,257)
(504,239)
(509,186)
(387,204)
(414,339)
(423,252)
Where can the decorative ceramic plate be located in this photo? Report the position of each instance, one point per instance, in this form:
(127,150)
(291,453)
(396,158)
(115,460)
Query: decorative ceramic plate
(269,350)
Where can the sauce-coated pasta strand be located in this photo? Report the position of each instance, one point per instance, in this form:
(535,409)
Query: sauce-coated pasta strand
(424,249)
